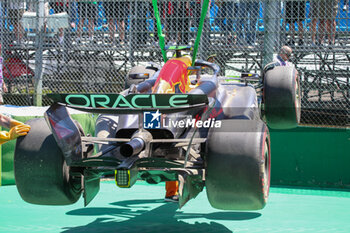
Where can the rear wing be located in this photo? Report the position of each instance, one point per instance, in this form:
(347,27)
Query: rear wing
(68,135)
(130,104)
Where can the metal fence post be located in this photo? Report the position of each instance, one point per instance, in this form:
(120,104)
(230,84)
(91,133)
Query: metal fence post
(4,31)
(270,25)
(2,28)
(131,32)
(40,13)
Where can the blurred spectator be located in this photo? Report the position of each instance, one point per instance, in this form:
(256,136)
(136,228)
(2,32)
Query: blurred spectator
(161,11)
(87,10)
(3,87)
(15,10)
(196,11)
(139,22)
(316,18)
(59,7)
(284,55)
(323,12)
(248,12)
(179,22)
(226,13)
(295,13)
(171,21)
(330,22)
(346,5)
(282,59)
(175,16)
(166,12)
(116,11)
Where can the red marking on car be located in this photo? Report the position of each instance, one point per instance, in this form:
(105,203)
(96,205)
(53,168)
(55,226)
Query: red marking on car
(175,73)
(215,112)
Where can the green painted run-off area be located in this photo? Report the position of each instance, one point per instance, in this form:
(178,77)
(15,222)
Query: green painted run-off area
(141,209)
(311,157)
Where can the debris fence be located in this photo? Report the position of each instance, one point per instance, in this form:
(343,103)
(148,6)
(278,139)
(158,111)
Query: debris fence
(73,46)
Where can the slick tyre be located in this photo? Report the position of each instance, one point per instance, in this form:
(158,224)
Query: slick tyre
(238,165)
(282,97)
(41,173)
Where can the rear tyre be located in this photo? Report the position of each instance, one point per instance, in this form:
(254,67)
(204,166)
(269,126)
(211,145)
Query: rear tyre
(41,173)
(282,97)
(238,165)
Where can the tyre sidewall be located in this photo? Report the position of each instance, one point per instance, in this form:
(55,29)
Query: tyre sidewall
(41,173)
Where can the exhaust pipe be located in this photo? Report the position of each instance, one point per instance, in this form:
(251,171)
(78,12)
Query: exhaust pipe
(134,147)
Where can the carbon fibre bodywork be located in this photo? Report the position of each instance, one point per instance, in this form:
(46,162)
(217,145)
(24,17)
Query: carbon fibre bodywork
(164,154)
(177,125)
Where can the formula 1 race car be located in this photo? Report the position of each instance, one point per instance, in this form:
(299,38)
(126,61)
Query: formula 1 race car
(172,124)
(201,132)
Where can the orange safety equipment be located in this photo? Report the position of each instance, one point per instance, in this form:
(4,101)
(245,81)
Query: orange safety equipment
(172,188)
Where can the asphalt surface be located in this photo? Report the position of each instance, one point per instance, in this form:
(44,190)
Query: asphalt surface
(142,209)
